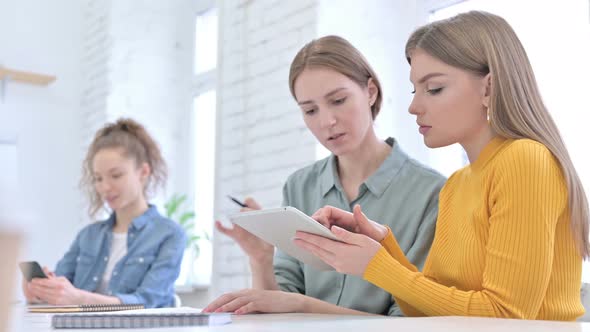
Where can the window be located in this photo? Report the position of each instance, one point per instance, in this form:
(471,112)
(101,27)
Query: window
(559,54)
(206,42)
(196,271)
(204,156)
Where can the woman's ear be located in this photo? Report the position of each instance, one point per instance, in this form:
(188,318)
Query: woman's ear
(144,171)
(487,81)
(373,91)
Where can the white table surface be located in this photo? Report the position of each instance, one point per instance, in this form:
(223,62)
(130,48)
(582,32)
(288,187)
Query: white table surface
(25,322)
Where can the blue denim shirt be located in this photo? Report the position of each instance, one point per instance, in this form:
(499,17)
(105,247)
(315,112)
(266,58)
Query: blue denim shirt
(146,274)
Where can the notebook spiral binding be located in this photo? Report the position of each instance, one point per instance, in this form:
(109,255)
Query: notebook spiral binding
(109,307)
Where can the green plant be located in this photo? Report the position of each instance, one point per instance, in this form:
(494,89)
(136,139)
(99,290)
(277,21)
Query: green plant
(185,220)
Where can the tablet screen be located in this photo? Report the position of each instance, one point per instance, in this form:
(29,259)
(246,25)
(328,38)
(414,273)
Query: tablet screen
(277,226)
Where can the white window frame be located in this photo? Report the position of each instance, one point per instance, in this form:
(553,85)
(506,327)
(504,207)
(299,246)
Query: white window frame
(200,84)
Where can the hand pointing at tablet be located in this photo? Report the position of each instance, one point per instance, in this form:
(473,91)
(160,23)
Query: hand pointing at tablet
(355,222)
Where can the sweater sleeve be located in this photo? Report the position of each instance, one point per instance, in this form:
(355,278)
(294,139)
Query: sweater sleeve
(392,248)
(527,197)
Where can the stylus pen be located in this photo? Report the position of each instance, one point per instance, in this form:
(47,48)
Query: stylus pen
(237,202)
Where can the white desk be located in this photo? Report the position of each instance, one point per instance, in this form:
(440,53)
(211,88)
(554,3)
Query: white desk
(316,322)
(311,322)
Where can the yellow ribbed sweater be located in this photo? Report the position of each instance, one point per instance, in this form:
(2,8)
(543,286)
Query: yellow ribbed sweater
(502,247)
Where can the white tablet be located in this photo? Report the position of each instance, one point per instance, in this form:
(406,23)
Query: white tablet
(278,226)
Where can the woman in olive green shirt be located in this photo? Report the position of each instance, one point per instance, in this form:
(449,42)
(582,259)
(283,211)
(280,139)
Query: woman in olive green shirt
(339,95)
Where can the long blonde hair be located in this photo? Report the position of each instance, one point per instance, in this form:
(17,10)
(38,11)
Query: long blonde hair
(483,43)
(137,144)
(336,53)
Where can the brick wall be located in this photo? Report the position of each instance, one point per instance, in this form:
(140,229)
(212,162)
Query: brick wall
(137,61)
(261,135)
(95,55)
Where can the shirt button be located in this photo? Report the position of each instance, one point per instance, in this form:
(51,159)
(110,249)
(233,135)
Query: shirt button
(115,273)
(78,259)
(131,234)
(95,278)
(140,259)
(106,258)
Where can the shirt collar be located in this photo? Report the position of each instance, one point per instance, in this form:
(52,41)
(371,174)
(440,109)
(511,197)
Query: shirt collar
(140,221)
(378,182)
(488,152)
(329,175)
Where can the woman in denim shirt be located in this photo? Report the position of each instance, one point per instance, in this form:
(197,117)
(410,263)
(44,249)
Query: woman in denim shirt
(134,256)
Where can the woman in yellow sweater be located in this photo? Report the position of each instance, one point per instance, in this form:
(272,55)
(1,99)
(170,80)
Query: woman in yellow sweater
(512,228)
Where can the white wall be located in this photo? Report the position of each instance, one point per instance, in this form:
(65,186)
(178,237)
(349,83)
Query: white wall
(137,62)
(261,135)
(149,76)
(44,37)
(379,29)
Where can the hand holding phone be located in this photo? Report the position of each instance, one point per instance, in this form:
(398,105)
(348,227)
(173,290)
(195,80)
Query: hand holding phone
(31,270)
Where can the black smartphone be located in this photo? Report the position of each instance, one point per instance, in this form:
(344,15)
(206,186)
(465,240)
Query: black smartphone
(31,270)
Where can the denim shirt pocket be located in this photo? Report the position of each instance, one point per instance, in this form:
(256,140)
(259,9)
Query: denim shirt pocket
(85,263)
(134,270)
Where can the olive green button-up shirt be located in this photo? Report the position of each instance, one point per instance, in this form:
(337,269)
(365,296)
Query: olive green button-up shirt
(402,194)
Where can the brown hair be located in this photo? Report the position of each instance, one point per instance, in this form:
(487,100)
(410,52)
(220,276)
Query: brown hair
(338,54)
(483,43)
(137,144)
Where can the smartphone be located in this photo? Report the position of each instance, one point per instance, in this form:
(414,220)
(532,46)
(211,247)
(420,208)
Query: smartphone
(31,270)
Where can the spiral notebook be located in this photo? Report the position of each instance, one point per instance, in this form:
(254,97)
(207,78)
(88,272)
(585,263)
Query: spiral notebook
(83,308)
(147,318)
